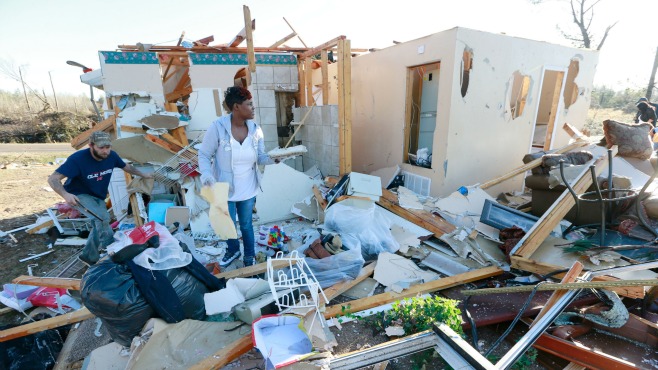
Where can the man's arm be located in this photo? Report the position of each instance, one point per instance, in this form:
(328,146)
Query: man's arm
(55,182)
(134,171)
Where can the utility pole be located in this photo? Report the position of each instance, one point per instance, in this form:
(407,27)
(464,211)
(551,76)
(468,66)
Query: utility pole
(55,95)
(20,73)
(652,80)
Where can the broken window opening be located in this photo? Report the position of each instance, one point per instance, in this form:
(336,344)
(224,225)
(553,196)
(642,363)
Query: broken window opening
(421,108)
(548,105)
(571,88)
(466,66)
(519,94)
(285,101)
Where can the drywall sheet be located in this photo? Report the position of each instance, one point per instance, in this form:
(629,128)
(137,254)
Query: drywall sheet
(125,72)
(220,219)
(396,271)
(164,120)
(184,344)
(131,116)
(204,108)
(138,149)
(282,187)
(387,174)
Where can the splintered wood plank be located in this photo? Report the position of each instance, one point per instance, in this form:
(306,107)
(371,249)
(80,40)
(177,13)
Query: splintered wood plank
(179,134)
(171,147)
(340,288)
(573,132)
(39,326)
(325,77)
(530,165)
(133,130)
(429,221)
(308,70)
(530,265)
(51,282)
(327,45)
(318,196)
(432,286)
(552,217)
(256,269)
(83,139)
(226,355)
(171,59)
(251,56)
(134,204)
(283,40)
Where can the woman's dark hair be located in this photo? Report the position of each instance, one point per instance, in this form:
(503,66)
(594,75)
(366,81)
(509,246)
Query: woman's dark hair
(236,95)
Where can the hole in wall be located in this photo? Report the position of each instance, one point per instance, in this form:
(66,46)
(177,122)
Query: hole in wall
(466,66)
(570,87)
(518,94)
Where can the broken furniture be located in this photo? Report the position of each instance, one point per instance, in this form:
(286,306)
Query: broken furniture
(543,195)
(613,197)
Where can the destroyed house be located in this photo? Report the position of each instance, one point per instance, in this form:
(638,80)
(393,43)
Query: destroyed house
(463,106)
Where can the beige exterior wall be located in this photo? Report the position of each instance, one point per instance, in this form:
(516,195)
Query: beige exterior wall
(476,138)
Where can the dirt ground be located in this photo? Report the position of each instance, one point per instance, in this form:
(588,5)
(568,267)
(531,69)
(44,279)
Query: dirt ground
(25,194)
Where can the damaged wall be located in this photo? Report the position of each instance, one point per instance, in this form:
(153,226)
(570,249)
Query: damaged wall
(476,137)
(131,72)
(319,135)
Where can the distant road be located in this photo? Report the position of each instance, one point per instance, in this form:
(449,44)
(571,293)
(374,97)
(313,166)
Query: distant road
(36,148)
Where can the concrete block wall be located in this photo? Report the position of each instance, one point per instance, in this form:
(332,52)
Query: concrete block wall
(264,83)
(319,135)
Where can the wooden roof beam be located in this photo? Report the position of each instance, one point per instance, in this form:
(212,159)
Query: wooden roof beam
(242,35)
(326,45)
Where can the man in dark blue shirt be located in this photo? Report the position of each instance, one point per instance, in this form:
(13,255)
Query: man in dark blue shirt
(88,173)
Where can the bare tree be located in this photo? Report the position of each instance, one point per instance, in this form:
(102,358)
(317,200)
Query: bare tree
(9,69)
(582,12)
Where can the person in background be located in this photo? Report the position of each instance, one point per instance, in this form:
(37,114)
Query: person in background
(231,151)
(88,173)
(645,108)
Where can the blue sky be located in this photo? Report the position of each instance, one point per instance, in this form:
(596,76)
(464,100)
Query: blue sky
(41,35)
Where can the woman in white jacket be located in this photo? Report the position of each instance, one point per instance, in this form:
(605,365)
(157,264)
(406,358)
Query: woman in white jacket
(230,152)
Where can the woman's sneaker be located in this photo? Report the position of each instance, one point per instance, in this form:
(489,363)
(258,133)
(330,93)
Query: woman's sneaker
(229,257)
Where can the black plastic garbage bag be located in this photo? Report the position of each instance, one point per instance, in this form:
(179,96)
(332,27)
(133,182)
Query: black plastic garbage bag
(35,351)
(109,292)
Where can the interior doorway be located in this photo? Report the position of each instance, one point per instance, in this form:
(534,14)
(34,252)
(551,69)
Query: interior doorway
(547,109)
(421,113)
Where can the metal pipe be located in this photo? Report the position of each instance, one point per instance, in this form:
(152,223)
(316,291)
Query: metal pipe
(601,205)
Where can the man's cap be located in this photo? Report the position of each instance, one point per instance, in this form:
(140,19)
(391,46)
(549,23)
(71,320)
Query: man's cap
(641,100)
(100,138)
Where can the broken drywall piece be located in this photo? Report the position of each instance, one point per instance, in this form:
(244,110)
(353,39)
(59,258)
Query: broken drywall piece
(387,174)
(281,187)
(163,120)
(405,238)
(320,335)
(200,224)
(138,149)
(408,199)
(182,345)
(459,241)
(393,270)
(287,153)
(220,219)
(463,209)
(307,208)
(363,289)
(441,248)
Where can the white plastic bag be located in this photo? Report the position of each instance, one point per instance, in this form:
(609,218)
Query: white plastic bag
(370,227)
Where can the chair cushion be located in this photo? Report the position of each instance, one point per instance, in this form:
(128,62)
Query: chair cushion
(631,139)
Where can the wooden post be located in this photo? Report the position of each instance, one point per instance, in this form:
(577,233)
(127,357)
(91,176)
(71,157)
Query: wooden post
(302,82)
(344,107)
(308,71)
(325,77)
(552,114)
(652,80)
(251,57)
